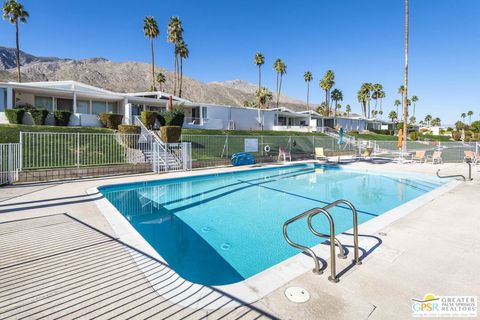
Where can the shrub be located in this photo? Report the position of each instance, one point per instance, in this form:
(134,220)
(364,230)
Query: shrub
(170,134)
(15,116)
(475,126)
(129,129)
(160,119)
(129,141)
(174,117)
(62,117)
(353,132)
(148,118)
(111,120)
(456,135)
(39,116)
(413,135)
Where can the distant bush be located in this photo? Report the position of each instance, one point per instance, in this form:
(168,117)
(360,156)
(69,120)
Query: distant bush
(129,129)
(170,134)
(148,118)
(62,117)
(174,117)
(413,135)
(459,125)
(160,119)
(353,132)
(475,126)
(423,130)
(385,132)
(130,134)
(39,116)
(111,120)
(456,135)
(15,116)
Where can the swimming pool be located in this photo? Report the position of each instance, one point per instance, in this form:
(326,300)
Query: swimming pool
(220,229)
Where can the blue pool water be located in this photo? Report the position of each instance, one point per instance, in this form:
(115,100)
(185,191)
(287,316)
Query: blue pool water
(221,229)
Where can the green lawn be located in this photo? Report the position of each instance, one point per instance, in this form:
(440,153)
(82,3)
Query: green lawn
(10,133)
(248,132)
(427,137)
(374,136)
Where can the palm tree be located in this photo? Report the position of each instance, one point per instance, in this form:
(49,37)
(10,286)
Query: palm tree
(15,12)
(428,118)
(470,114)
(414,100)
(405,91)
(307,76)
(336,96)
(463,116)
(174,36)
(150,29)
(412,120)
(436,122)
(161,79)
(326,84)
(348,109)
(259,61)
(183,53)
(380,113)
(401,91)
(281,69)
(392,115)
(397,103)
(264,96)
(377,89)
(363,96)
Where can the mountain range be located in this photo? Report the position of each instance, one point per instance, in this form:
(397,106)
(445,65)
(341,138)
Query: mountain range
(129,76)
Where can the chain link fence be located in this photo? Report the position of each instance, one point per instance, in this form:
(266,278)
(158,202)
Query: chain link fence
(216,150)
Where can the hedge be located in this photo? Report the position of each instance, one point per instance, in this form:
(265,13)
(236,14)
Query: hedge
(129,129)
(174,117)
(160,119)
(111,120)
(170,134)
(62,118)
(15,116)
(39,116)
(148,118)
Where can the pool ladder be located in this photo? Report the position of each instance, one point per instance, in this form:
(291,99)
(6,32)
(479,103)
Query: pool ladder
(333,240)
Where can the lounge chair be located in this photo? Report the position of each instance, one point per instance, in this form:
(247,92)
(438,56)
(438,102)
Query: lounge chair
(283,152)
(367,153)
(320,154)
(436,157)
(419,156)
(469,156)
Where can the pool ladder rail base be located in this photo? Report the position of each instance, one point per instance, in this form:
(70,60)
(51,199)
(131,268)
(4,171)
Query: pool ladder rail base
(332,239)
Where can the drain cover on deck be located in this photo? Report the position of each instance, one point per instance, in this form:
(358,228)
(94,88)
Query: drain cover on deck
(297,294)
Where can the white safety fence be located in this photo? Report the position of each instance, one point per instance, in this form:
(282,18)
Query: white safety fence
(171,157)
(10,162)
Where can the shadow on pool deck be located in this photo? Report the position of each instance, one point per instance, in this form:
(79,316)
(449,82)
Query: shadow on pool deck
(60,267)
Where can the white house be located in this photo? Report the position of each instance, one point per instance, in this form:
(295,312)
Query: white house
(86,102)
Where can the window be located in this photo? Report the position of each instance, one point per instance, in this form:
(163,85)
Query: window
(112,107)
(65,104)
(99,107)
(3,99)
(83,107)
(204,113)
(44,103)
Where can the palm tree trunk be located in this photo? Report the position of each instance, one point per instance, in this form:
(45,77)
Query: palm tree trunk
(153,65)
(181,78)
(259,77)
(18,52)
(175,72)
(279,90)
(327,109)
(308,95)
(405,104)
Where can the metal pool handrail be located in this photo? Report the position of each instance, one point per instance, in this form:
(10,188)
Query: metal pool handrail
(333,240)
(299,246)
(459,175)
(354,222)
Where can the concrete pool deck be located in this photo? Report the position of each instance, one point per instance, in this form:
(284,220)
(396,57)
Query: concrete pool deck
(434,249)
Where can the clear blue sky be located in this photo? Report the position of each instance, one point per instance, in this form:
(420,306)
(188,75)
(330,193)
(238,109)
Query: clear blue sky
(362,41)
